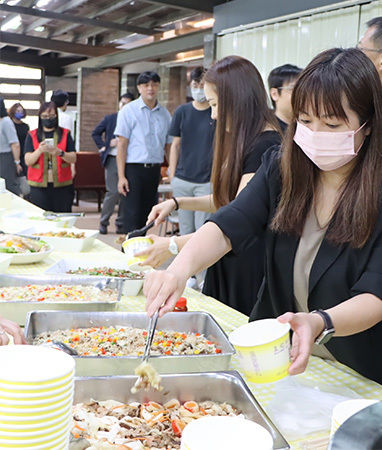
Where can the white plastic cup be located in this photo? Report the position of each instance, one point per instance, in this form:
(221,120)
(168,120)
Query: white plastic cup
(344,410)
(263,348)
(225,433)
(136,245)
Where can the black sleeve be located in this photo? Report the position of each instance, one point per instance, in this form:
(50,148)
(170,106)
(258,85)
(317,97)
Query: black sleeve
(252,160)
(28,146)
(99,130)
(70,147)
(248,215)
(176,122)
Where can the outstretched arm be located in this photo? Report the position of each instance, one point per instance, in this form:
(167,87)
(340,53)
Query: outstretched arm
(206,246)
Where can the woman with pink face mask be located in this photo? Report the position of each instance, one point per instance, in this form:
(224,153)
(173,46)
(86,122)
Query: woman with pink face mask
(318,202)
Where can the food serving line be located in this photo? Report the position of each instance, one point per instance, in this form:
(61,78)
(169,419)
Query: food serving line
(323,373)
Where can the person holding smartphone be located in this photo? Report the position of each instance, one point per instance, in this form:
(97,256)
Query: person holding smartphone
(49,152)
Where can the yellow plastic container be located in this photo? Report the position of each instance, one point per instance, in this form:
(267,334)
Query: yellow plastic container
(263,348)
(135,245)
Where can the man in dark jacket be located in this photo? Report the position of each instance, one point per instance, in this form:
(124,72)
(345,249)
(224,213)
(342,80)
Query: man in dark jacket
(103,136)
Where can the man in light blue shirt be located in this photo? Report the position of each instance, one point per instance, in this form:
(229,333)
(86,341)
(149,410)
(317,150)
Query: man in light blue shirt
(142,130)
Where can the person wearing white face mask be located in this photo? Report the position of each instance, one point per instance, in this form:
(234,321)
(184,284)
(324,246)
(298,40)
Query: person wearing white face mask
(191,152)
(318,202)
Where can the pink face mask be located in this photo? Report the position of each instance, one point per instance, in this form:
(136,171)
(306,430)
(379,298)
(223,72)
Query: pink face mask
(327,150)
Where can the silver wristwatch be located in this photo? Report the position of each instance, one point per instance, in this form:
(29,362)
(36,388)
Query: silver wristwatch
(328,331)
(172,246)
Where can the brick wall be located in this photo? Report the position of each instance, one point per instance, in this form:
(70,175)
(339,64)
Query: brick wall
(97,96)
(173,87)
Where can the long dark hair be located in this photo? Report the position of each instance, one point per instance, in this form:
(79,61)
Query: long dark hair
(243,109)
(40,130)
(330,77)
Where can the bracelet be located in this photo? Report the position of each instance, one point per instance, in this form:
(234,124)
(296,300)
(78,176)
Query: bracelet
(17,161)
(176,203)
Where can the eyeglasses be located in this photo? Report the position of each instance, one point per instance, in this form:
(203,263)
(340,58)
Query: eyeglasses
(287,88)
(48,117)
(365,49)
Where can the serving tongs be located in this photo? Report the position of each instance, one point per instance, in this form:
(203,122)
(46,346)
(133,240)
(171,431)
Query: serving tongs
(150,336)
(53,215)
(147,375)
(141,231)
(32,238)
(61,346)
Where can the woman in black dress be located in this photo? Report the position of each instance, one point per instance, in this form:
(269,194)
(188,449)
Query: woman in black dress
(245,129)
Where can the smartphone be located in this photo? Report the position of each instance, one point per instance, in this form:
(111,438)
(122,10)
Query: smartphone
(49,142)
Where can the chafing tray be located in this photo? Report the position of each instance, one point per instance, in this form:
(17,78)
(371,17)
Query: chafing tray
(17,311)
(194,322)
(216,386)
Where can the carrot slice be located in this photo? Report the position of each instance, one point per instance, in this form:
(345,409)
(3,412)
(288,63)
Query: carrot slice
(177,427)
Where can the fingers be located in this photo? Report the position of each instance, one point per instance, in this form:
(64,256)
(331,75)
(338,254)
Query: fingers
(302,340)
(14,330)
(4,340)
(162,289)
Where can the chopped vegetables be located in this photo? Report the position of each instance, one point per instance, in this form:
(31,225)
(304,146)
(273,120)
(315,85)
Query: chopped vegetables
(140,426)
(65,234)
(128,341)
(11,243)
(106,271)
(56,293)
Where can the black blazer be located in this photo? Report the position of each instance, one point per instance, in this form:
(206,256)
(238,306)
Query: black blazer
(107,127)
(337,274)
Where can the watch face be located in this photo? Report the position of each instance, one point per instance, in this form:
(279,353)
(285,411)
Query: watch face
(173,248)
(325,336)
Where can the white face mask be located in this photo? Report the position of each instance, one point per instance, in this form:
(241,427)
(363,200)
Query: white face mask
(198,95)
(327,150)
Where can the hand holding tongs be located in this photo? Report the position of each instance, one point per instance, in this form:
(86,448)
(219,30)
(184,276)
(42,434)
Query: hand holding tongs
(150,337)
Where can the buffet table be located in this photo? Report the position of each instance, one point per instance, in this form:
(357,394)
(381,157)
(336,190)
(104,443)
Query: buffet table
(319,371)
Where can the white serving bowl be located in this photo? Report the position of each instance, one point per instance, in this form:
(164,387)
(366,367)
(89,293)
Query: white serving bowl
(129,286)
(65,244)
(5,260)
(38,220)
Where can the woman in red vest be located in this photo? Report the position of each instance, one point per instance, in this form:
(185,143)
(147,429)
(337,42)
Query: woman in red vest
(49,152)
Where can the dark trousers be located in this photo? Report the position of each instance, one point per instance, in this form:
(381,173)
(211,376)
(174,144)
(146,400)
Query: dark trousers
(9,173)
(56,199)
(142,196)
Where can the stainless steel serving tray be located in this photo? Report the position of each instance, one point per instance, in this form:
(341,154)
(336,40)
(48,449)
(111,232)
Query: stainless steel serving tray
(216,386)
(17,311)
(194,322)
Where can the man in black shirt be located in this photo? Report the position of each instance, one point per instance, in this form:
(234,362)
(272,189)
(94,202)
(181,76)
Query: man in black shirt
(191,152)
(281,81)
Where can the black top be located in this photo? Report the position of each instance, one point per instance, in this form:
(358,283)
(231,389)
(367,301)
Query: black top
(196,130)
(235,280)
(337,274)
(49,134)
(283,125)
(22,131)
(103,133)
